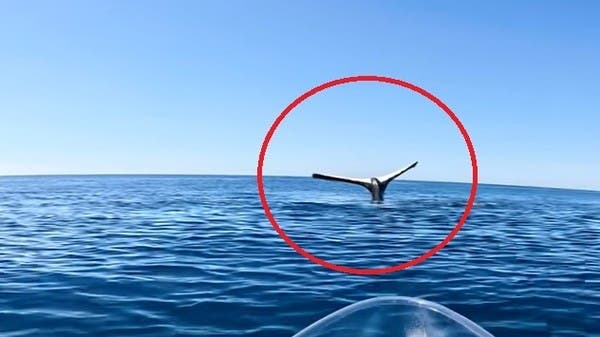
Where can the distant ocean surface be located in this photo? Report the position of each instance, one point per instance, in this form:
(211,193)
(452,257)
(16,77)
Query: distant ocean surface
(196,256)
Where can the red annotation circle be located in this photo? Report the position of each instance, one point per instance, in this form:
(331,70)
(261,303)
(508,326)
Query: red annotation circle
(366,271)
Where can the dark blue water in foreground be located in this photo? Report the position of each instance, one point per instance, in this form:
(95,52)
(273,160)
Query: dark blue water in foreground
(195,256)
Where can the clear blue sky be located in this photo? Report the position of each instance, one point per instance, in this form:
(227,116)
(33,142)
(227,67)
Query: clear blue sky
(191,87)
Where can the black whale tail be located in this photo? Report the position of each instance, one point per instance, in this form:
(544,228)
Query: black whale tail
(375,185)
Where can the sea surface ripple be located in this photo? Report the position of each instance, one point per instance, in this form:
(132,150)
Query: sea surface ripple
(196,256)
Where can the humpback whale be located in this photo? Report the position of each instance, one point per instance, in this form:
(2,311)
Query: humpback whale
(375,185)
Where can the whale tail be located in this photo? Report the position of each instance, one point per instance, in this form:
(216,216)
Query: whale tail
(384,180)
(358,181)
(376,185)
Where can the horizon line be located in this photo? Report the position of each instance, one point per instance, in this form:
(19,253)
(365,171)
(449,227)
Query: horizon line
(274,175)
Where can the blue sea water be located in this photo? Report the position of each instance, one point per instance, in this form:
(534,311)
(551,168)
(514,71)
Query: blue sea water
(196,256)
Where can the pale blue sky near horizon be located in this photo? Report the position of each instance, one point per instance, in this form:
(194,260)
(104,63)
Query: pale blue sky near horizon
(191,87)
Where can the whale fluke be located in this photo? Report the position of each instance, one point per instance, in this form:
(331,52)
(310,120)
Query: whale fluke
(358,181)
(385,179)
(375,185)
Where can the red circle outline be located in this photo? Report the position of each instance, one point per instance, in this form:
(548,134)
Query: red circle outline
(350,270)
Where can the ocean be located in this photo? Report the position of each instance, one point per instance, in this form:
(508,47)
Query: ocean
(196,256)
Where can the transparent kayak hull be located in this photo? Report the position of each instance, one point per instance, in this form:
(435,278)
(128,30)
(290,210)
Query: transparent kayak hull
(394,316)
